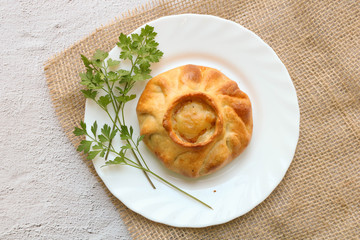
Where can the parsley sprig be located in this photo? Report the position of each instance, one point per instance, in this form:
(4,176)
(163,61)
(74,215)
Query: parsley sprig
(109,86)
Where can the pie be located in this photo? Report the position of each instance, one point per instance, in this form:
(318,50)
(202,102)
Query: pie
(194,119)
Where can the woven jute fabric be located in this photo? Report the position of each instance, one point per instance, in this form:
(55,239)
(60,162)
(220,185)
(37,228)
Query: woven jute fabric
(319,43)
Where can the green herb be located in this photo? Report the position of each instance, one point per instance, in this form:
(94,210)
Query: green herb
(110,89)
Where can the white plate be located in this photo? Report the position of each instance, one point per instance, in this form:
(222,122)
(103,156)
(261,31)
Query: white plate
(250,178)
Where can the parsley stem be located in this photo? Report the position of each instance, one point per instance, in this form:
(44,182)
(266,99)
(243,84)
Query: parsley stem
(117,109)
(170,184)
(137,149)
(131,163)
(110,141)
(117,127)
(116,112)
(143,169)
(138,164)
(179,189)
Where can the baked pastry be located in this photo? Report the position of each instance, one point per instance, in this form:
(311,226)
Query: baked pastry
(195,119)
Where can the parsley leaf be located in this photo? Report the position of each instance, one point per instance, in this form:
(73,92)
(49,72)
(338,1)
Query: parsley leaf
(100,55)
(89,93)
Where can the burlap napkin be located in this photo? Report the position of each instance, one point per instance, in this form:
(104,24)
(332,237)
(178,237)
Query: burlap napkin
(319,43)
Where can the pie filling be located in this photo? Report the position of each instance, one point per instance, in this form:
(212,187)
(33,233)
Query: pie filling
(193,121)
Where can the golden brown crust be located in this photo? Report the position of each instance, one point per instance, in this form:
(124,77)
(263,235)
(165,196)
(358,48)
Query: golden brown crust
(195,119)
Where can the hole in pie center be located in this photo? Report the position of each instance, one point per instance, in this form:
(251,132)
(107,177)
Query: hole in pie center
(194,121)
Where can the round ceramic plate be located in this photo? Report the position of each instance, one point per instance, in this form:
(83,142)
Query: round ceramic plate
(247,180)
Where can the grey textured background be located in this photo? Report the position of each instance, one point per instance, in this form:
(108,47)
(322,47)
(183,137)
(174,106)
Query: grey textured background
(46,190)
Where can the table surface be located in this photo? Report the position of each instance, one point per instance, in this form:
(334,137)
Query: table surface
(47,191)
